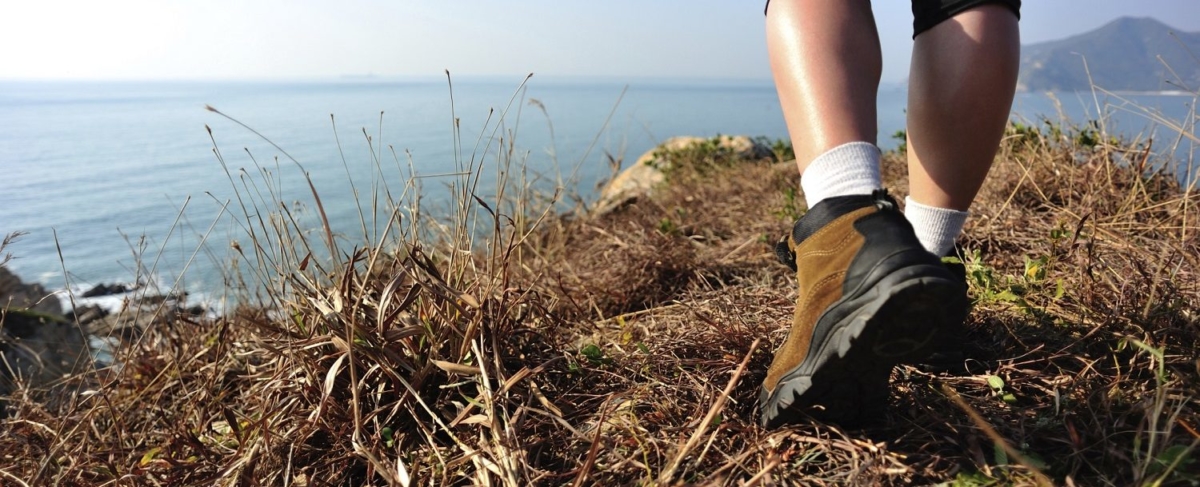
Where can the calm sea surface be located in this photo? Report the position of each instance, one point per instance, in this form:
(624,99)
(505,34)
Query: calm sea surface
(110,168)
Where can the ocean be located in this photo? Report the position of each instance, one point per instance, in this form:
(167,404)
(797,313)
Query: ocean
(97,173)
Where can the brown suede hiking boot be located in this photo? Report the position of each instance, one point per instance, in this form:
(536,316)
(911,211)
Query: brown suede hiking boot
(870,297)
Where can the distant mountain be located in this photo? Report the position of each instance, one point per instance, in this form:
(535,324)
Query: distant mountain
(1122,55)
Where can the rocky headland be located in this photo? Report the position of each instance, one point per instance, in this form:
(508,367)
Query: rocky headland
(42,341)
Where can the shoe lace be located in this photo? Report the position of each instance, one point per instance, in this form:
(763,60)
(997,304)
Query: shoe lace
(883,200)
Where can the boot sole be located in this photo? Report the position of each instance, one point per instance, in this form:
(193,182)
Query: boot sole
(844,378)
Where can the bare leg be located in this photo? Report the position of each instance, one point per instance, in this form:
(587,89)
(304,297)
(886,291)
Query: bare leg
(963,75)
(863,276)
(826,61)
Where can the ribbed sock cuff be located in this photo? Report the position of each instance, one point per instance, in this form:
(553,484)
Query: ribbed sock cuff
(936,228)
(847,169)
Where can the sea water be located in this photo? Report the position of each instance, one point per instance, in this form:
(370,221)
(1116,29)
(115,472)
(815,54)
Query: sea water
(122,181)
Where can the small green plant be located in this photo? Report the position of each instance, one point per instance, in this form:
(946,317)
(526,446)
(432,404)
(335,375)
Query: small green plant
(1175,463)
(989,287)
(388,437)
(782,148)
(973,478)
(1026,135)
(1089,135)
(901,136)
(1159,459)
(1035,269)
(702,157)
(667,227)
(996,383)
(791,205)
(1058,234)
(594,354)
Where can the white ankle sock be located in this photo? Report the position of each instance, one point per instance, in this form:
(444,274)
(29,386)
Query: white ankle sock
(936,228)
(844,170)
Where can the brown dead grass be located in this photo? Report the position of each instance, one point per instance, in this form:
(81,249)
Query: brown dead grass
(628,349)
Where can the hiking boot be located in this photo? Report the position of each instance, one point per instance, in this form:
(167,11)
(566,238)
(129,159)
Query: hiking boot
(950,349)
(870,297)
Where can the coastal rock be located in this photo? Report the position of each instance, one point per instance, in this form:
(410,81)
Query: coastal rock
(86,314)
(103,289)
(16,294)
(37,344)
(650,170)
(139,313)
(39,347)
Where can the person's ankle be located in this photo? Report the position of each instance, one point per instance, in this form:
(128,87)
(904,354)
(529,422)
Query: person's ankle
(936,228)
(848,169)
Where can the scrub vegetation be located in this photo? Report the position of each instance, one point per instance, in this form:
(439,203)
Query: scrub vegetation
(521,342)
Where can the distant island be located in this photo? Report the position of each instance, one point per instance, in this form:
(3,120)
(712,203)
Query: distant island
(1127,54)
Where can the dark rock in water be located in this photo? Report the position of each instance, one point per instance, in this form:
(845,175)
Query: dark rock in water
(39,349)
(142,312)
(126,333)
(86,314)
(25,324)
(125,326)
(103,289)
(16,294)
(38,345)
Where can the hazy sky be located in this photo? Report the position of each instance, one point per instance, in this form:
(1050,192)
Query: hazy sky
(223,39)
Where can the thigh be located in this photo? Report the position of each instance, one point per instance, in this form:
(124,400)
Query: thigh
(928,13)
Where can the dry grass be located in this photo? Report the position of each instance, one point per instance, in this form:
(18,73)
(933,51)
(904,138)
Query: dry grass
(526,347)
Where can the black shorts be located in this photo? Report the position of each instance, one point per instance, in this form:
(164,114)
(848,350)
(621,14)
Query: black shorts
(928,13)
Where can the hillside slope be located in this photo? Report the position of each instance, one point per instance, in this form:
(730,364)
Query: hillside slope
(1130,54)
(628,348)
